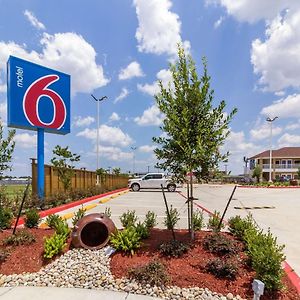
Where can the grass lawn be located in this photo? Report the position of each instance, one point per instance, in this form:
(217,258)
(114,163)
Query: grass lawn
(13,189)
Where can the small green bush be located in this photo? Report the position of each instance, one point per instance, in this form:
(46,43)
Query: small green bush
(173,248)
(62,228)
(153,273)
(52,220)
(142,230)
(198,220)
(171,221)
(266,257)
(32,218)
(107,211)
(6,218)
(54,245)
(126,240)
(150,220)
(238,226)
(3,255)
(79,214)
(220,244)
(22,237)
(128,218)
(222,268)
(214,220)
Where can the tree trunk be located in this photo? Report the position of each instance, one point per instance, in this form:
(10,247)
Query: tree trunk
(191,206)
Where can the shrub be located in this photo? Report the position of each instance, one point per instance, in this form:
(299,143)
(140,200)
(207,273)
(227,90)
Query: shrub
(238,226)
(80,213)
(214,221)
(150,220)
(198,220)
(218,243)
(173,248)
(171,221)
(128,218)
(6,218)
(126,240)
(52,220)
(153,273)
(222,268)
(107,211)
(22,237)
(62,228)
(54,245)
(266,257)
(3,255)
(142,230)
(32,218)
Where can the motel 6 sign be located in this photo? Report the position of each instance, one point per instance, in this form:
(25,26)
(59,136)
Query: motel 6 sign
(38,97)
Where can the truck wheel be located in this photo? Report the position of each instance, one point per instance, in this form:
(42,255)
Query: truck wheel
(135,187)
(171,187)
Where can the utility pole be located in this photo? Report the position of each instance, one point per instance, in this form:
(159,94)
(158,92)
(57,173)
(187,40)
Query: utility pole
(270,166)
(98,101)
(133,164)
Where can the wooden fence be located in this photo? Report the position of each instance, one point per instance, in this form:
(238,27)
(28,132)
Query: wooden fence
(82,179)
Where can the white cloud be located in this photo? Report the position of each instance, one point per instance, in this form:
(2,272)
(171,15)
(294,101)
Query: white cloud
(25,140)
(254,10)
(289,140)
(159,28)
(124,93)
(113,136)
(146,148)
(293,126)
(83,121)
(3,112)
(276,60)
(33,20)
(132,70)
(67,52)
(151,116)
(114,117)
(263,131)
(152,89)
(284,108)
(218,23)
(114,153)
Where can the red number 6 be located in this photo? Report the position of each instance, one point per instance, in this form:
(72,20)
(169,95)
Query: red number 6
(31,100)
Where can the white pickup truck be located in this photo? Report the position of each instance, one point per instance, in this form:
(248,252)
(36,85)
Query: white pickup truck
(152,181)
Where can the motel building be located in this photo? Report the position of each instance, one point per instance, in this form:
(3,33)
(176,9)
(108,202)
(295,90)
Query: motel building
(285,163)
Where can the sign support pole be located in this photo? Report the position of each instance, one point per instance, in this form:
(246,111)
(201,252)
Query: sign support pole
(40,161)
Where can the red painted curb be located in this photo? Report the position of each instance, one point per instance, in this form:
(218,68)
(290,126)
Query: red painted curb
(289,271)
(268,187)
(60,208)
(292,275)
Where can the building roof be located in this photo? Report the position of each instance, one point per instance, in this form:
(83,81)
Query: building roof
(285,152)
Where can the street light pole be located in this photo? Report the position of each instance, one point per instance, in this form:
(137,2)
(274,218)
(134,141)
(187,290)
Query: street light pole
(133,151)
(98,101)
(270,166)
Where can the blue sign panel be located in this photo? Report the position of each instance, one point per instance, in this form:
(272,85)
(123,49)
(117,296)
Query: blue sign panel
(38,97)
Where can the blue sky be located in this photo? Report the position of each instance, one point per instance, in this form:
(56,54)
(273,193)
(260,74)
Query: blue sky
(119,48)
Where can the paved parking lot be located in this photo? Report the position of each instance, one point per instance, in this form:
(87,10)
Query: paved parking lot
(282,217)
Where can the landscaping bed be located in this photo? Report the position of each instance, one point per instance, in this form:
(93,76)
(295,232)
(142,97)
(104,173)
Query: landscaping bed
(189,270)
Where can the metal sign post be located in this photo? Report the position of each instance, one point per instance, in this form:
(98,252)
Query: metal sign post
(40,161)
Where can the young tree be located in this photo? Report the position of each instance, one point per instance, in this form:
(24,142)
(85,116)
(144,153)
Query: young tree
(7,147)
(195,129)
(116,171)
(63,161)
(257,173)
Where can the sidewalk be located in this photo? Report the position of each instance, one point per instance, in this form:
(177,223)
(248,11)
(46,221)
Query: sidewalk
(50,293)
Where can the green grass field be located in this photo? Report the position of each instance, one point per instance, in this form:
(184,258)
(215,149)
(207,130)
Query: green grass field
(13,190)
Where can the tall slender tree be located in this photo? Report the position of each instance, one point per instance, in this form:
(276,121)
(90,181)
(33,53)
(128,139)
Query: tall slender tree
(194,129)
(7,147)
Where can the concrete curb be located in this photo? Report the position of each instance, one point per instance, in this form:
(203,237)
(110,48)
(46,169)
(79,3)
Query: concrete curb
(289,271)
(268,187)
(63,207)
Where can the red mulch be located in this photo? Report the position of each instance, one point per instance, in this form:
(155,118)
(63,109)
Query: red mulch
(24,258)
(188,270)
